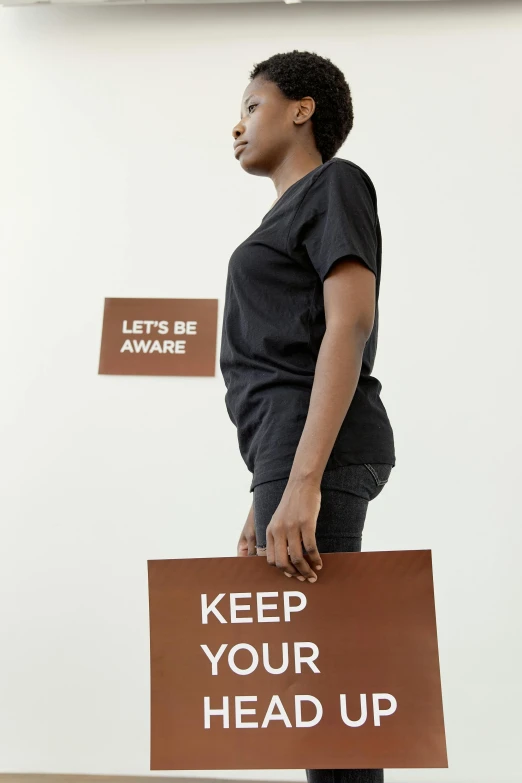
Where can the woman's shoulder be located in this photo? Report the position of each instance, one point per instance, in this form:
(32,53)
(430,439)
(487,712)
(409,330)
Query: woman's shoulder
(352,168)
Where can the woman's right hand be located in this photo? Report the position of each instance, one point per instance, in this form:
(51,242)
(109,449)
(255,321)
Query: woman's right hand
(247,540)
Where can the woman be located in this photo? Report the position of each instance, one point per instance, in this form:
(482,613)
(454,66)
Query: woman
(300,328)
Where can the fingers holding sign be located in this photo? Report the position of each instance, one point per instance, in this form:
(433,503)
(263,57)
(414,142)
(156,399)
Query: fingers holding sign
(290,536)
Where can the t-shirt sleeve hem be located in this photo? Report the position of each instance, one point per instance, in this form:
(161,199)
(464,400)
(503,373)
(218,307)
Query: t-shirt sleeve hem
(326,268)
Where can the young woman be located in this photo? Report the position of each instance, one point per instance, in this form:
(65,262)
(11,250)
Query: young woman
(300,328)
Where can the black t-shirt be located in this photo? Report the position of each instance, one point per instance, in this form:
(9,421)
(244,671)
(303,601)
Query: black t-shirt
(274,322)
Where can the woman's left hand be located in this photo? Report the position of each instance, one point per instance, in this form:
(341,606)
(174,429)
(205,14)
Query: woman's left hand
(295,520)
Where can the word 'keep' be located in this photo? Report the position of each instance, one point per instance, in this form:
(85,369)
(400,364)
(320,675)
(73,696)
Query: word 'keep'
(289,607)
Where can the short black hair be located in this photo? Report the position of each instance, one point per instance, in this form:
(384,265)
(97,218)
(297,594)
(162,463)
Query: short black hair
(298,74)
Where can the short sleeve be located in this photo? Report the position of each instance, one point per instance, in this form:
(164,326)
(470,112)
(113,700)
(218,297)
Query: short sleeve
(336,218)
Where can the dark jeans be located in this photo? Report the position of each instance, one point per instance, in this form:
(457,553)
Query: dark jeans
(345,494)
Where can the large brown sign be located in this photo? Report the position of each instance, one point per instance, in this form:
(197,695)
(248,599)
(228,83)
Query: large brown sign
(159,337)
(252,670)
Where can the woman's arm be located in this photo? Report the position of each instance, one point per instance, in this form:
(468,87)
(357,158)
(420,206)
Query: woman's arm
(349,300)
(349,303)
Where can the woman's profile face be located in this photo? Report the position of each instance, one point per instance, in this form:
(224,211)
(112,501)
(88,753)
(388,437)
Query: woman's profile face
(266,125)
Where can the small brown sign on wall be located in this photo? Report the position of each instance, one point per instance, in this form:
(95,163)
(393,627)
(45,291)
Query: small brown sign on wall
(159,337)
(252,670)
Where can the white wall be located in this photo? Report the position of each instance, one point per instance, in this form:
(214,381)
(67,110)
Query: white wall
(117,178)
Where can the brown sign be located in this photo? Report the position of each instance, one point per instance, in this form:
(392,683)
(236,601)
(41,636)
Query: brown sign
(159,337)
(252,670)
